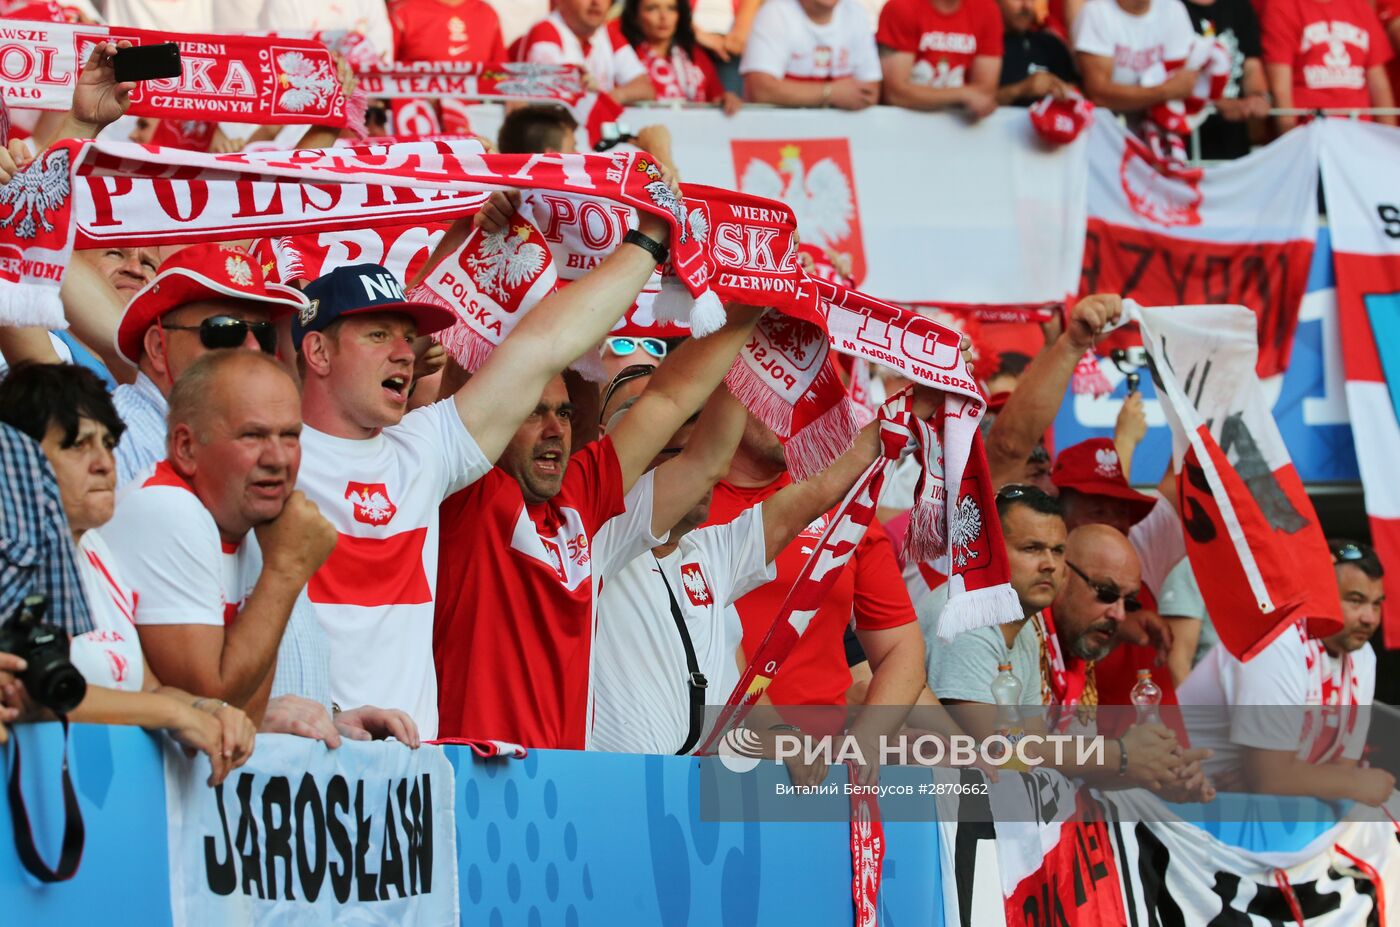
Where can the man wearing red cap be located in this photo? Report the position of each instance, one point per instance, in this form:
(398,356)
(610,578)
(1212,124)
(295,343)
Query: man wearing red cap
(379,473)
(205,297)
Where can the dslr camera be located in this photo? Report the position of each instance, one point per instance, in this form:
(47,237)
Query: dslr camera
(51,679)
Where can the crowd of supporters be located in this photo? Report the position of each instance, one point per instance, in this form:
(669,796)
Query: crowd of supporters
(257,506)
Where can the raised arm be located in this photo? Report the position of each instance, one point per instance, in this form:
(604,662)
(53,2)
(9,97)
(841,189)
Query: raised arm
(1033,406)
(566,323)
(676,392)
(682,481)
(794,507)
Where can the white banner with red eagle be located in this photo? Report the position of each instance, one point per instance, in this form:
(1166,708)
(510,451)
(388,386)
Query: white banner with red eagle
(905,203)
(1250,528)
(1240,232)
(1363,205)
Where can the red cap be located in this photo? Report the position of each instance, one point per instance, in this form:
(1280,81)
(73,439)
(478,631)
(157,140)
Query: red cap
(195,273)
(1092,467)
(1059,122)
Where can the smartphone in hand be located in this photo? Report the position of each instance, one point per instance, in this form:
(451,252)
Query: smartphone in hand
(146,62)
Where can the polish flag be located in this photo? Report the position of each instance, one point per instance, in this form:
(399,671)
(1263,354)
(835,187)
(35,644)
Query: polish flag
(1239,233)
(1363,208)
(1254,540)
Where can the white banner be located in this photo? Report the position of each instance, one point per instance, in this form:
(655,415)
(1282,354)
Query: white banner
(929,208)
(306,835)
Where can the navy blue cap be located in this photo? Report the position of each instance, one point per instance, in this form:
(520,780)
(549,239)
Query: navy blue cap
(361,288)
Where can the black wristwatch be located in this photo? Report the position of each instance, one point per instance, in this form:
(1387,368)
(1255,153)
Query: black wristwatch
(656,249)
(1122,757)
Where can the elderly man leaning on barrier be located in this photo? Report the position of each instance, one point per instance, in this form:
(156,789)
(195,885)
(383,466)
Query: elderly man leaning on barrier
(218,546)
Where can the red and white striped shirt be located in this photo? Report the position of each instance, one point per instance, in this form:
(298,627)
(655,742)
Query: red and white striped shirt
(608,57)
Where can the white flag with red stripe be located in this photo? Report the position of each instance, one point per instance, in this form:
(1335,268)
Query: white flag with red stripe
(1363,206)
(1241,232)
(1259,553)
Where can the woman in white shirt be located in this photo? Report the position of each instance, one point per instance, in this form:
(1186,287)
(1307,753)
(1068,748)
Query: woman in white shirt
(68,411)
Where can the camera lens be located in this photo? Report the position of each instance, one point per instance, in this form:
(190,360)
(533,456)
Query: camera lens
(56,684)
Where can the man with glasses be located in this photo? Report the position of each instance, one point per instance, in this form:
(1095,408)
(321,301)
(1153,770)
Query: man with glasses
(206,297)
(1299,716)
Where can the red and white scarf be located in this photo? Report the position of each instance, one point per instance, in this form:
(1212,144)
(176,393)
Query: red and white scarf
(90,194)
(490,281)
(445,80)
(235,78)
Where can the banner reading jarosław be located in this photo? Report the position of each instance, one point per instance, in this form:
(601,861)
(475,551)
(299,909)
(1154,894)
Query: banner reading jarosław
(1236,233)
(301,834)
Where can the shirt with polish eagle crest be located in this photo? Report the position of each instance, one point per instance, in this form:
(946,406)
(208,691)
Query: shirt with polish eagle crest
(513,637)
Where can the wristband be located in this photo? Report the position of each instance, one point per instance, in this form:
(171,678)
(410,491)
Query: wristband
(1122,756)
(789,728)
(826,94)
(659,252)
(199,703)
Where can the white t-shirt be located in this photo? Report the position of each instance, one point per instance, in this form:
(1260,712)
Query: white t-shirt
(374,595)
(517,16)
(641,700)
(168,550)
(1137,44)
(788,45)
(370,18)
(1159,542)
(110,654)
(1265,698)
(611,61)
(162,15)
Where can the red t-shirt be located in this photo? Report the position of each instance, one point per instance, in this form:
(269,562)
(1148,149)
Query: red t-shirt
(871,585)
(943,44)
(513,629)
(430,30)
(1329,46)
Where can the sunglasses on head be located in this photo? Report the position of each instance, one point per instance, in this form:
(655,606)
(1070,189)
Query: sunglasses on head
(1107,594)
(1348,553)
(622,346)
(224,331)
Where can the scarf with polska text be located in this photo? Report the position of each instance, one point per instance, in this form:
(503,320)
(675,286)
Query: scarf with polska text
(93,194)
(961,523)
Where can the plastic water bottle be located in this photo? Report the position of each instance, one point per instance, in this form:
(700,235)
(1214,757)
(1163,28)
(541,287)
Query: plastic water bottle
(1147,696)
(1006,692)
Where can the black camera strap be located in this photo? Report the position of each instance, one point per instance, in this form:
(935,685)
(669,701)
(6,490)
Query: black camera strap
(73,831)
(695,680)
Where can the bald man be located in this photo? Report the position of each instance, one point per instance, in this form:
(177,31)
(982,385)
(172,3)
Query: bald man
(1101,586)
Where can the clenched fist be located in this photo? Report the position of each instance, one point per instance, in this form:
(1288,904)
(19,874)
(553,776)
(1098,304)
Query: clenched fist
(297,541)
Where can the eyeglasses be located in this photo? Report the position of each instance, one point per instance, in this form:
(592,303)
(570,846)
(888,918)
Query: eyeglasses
(1107,594)
(225,331)
(624,346)
(624,376)
(1016,491)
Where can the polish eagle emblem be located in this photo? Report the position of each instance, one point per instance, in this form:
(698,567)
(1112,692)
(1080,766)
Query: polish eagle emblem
(35,194)
(967,528)
(820,196)
(505,261)
(306,83)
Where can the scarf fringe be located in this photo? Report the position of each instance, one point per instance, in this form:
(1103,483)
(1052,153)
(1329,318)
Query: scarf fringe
(766,405)
(291,265)
(673,302)
(978,608)
(825,438)
(26,306)
(926,538)
(707,315)
(465,346)
(355,108)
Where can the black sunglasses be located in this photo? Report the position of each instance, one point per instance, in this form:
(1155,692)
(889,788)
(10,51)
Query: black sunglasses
(1107,594)
(624,376)
(224,331)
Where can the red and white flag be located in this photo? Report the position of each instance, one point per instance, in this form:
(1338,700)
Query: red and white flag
(1251,533)
(1239,233)
(1363,208)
